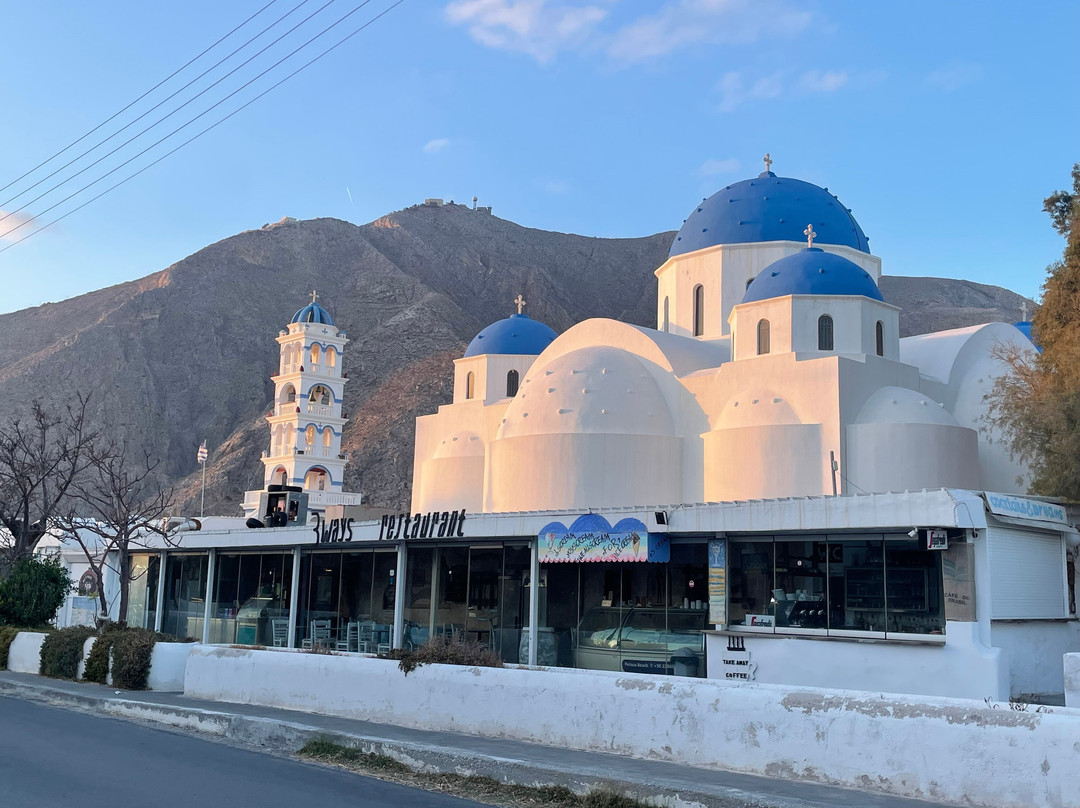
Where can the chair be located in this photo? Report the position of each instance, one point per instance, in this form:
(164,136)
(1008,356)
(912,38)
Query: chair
(350,641)
(280,630)
(382,638)
(365,639)
(318,635)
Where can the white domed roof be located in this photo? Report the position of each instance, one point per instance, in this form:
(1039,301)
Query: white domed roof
(591,390)
(899,405)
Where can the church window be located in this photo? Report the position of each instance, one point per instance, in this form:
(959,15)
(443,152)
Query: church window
(748,282)
(315,351)
(469,382)
(699,310)
(309,435)
(290,438)
(331,357)
(763,337)
(327,437)
(667,304)
(319,395)
(825,333)
(511,384)
(879,330)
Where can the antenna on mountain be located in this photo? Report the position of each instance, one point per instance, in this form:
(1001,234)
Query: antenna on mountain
(474,201)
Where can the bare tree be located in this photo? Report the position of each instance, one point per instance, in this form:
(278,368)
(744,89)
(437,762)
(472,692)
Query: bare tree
(40,458)
(117,506)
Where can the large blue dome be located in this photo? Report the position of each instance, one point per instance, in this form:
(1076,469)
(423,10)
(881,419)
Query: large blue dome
(812,272)
(313,313)
(517,334)
(768,208)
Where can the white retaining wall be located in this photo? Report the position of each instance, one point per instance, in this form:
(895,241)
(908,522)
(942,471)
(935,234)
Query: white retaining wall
(1072,680)
(168,663)
(1029,647)
(942,749)
(24,656)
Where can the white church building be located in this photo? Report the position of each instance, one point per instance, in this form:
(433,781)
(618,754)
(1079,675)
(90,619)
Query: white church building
(771,485)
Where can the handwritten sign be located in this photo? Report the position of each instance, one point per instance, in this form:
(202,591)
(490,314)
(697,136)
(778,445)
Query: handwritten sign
(1005,505)
(958,572)
(718,581)
(592,538)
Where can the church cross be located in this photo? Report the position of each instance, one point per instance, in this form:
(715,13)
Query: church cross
(314,296)
(810,235)
(520,301)
(768,161)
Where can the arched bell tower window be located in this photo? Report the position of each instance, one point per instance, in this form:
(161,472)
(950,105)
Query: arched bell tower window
(511,384)
(331,357)
(879,334)
(825,333)
(699,310)
(309,436)
(667,313)
(763,337)
(469,385)
(315,351)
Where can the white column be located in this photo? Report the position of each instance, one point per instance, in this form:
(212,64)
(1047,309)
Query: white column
(160,591)
(294,596)
(208,598)
(534,599)
(399,595)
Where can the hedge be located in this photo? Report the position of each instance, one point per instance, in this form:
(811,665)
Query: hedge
(62,651)
(7,635)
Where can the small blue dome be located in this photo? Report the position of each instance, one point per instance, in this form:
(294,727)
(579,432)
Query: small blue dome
(313,313)
(1025,328)
(517,334)
(768,208)
(812,271)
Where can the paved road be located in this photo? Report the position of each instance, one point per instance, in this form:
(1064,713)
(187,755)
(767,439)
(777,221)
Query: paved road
(51,757)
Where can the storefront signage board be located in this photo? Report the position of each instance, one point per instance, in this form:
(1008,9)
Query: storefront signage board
(958,570)
(592,538)
(718,581)
(1023,508)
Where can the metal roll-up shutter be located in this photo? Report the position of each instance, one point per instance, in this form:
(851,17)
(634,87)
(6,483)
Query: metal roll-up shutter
(1027,578)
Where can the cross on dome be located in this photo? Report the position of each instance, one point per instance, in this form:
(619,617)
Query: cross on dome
(810,235)
(314,296)
(768,161)
(520,302)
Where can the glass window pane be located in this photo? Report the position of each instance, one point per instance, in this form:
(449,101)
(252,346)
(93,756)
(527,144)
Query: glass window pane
(514,603)
(750,576)
(485,571)
(137,591)
(356,572)
(223,612)
(914,586)
(322,600)
(561,610)
(451,591)
(857,585)
(153,571)
(800,586)
(418,616)
(185,579)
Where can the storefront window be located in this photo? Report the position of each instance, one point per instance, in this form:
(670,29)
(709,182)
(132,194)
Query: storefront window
(140,607)
(840,585)
(913,575)
(418,604)
(451,592)
(185,593)
(251,599)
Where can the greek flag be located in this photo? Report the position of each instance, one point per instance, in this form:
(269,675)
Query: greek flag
(203,454)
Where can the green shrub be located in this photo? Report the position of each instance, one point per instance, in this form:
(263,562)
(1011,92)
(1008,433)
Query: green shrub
(62,651)
(7,635)
(33,592)
(446,651)
(97,663)
(131,650)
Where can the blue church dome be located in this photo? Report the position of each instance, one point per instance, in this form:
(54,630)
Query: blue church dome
(313,313)
(1025,328)
(768,208)
(517,334)
(812,271)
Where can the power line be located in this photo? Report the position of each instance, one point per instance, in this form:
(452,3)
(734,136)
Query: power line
(306,65)
(137,100)
(159,120)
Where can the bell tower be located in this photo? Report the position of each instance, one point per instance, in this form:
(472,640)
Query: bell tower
(306,421)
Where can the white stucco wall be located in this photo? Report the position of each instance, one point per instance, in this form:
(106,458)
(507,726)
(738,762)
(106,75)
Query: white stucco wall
(24,655)
(905,457)
(168,665)
(1072,680)
(906,746)
(960,668)
(1032,649)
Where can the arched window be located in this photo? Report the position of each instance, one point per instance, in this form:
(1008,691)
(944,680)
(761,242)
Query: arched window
(511,384)
(469,382)
(279,438)
(748,282)
(315,480)
(331,357)
(327,437)
(879,334)
(699,310)
(284,477)
(824,333)
(290,438)
(315,350)
(763,336)
(319,395)
(309,435)
(667,305)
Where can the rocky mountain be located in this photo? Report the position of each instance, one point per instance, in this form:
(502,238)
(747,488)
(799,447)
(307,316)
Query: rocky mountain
(187,353)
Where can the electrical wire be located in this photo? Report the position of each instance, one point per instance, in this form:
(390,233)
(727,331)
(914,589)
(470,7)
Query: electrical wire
(137,100)
(159,120)
(306,65)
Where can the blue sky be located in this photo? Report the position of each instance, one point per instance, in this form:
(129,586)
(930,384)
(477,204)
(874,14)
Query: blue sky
(942,125)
